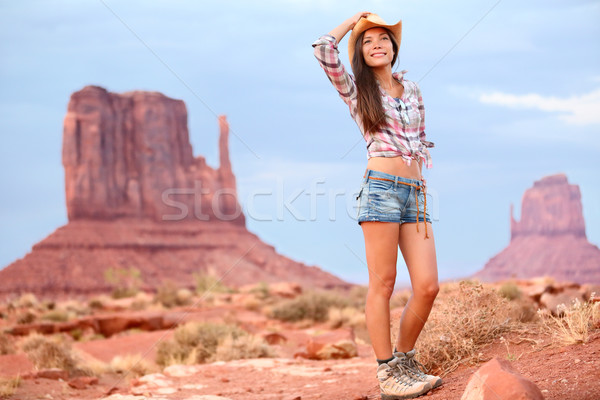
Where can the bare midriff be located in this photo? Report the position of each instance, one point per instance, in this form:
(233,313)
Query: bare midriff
(396,166)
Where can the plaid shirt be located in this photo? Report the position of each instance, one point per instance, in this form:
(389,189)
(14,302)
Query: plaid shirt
(403,133)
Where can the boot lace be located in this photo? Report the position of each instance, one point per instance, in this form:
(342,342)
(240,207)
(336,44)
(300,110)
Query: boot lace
(416,367)
(401,373)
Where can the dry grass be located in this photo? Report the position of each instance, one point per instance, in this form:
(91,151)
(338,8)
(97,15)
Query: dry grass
(56,315)
(574,323)
(125,281)
(8,386)
(261,290)
(134,365)
(312,306)
(25,317)
(48,352)
(246,346)
(7,345)
(346,316)
(195,342)
(56,352)
(27,300)
(400,298)
(465,318)
(510,290)
(169,295)
(209,283)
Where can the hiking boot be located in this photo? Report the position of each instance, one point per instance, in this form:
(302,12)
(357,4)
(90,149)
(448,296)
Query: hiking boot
(415,369)
(395,382)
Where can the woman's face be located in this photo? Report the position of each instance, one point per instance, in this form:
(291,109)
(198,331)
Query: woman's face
(377,47)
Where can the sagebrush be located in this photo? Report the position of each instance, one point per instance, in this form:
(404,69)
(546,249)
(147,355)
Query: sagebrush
(464,319)
(200,342)
(574,323)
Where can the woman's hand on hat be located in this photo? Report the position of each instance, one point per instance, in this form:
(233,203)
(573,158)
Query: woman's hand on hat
(357,16)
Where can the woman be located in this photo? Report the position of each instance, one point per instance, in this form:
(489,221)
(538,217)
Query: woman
(392,201)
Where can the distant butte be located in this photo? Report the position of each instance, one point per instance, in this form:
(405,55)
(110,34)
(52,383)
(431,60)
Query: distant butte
(550,238)
(136,197)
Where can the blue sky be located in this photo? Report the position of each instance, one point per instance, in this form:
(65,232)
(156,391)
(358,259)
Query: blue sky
(511,89)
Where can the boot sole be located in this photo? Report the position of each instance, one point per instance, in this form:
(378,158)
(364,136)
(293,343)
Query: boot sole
(396,397)
(405,396)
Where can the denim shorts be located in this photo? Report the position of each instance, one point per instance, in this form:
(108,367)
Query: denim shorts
(389,198)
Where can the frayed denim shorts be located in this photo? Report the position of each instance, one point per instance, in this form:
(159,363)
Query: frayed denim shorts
(389,198)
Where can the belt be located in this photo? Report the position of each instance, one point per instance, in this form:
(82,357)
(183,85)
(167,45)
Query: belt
(418,187)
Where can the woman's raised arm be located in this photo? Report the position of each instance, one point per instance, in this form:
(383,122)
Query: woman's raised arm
(340,31)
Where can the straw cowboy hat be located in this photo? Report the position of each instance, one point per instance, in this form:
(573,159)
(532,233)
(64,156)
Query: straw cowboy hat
(372,21)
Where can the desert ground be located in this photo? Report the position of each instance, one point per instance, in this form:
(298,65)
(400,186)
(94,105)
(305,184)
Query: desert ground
(282,341)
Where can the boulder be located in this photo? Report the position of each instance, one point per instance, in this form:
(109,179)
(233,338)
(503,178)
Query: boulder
(53,373)
(82,382)
(552,301)
(336,344)
(496,379)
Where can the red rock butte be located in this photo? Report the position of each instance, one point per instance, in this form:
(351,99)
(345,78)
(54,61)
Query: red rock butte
(136,197)
(550,238)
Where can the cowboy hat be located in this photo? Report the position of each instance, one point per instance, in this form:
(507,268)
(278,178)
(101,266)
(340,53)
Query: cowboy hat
(372,21)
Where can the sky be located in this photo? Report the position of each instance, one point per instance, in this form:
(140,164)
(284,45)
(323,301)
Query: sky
(511,92)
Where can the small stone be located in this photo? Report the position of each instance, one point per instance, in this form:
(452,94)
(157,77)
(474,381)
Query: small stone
(81,382)
(53,373)
(224,380)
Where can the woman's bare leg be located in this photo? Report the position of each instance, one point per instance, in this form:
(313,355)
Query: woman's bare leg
(419,255)
(381,245)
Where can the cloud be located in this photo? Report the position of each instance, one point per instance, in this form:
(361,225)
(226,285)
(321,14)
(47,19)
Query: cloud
(576,110)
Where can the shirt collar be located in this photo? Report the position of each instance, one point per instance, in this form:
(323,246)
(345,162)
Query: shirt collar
(399,76)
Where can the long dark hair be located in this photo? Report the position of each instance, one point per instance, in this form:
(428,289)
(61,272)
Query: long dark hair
(370,108)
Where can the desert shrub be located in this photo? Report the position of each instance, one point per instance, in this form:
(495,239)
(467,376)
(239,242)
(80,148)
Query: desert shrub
(346,316)
(510,291)
(139,304)
(7,345)
(134,365)
(309,306)
(195,342)
(208,283)
(48,352)
(25,317)
(252,303)
(56,315)
(8,386)
(169,295)
(261,290)
(96,304)
(358,294)
(90,366)
(400,299)
(464,319)
(27,300)
(574,323)
(245,346)
(125,281)
(76,334)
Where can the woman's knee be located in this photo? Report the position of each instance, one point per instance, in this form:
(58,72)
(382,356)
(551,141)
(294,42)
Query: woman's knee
(382,286)
(427,291)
